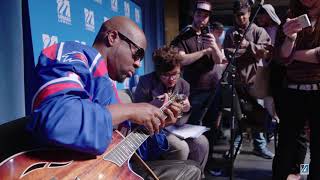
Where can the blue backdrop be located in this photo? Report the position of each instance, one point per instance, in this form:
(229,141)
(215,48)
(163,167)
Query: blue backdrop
(53,21)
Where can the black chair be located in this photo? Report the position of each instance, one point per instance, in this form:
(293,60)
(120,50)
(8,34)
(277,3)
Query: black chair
(14,138)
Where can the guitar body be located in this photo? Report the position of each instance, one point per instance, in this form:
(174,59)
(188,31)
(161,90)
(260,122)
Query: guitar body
(56,164)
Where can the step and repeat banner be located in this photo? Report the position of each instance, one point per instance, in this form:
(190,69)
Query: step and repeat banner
(54,21)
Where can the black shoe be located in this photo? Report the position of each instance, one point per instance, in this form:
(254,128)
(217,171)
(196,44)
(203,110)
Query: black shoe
(227,154)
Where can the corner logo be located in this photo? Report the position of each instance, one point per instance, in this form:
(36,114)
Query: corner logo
(126,9)
(89,19)
(114,5)
(137,15)
(49,40)
(304,169)
(63,11)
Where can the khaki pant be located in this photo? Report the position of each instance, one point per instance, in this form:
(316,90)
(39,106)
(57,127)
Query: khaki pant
(196,149)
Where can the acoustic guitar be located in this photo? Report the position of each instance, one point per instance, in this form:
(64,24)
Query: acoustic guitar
(57,164)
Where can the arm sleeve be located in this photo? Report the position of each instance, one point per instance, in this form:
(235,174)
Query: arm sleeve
(263,40)
(143,94)
(65,114)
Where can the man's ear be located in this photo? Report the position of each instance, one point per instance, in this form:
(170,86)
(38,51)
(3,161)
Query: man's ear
(111,38)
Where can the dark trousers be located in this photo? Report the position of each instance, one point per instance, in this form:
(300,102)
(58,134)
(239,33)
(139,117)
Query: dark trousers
(294,107)
(199,100)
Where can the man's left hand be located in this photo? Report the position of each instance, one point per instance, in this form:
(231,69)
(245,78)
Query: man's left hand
(173,112)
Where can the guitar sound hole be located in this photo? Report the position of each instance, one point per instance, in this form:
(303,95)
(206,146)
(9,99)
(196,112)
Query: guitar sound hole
(34,167)
(53,165)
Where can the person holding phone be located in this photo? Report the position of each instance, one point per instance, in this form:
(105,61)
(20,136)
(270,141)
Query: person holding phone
(200,53)
(299,50)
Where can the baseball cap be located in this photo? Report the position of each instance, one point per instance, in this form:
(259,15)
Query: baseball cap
(203,5)
(271,12)
(241,6)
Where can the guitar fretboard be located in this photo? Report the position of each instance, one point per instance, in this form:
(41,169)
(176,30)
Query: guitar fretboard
(125,149)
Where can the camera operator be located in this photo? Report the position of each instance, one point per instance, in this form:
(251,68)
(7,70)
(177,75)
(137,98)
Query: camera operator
(252,51)
(200,52)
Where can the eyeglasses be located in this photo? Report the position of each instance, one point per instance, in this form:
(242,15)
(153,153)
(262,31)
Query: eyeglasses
(168,76)
(139,54)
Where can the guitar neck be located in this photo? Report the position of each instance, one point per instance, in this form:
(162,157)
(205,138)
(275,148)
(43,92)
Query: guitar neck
(125,149)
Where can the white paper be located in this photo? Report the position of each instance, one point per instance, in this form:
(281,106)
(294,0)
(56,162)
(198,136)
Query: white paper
(187,130)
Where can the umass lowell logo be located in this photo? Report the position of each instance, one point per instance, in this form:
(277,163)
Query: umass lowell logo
(63,11)
(114,5)
(89,19)
(137,15)
(126,9)
(49,40)
(98,1)
(304,169)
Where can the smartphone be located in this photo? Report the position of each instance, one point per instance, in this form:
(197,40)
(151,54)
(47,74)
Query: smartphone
(304,21)
(205,30)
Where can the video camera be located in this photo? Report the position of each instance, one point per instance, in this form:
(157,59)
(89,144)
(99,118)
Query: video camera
(237,36)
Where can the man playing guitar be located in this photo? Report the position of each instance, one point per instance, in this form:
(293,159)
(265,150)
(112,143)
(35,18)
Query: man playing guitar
(76,105)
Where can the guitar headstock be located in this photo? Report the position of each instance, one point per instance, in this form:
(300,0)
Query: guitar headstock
(174,97)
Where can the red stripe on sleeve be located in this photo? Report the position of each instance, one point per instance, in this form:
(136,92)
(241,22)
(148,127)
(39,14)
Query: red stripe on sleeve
(52,89)
(101,69)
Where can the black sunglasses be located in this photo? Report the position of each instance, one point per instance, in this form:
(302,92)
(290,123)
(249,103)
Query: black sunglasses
(139,54)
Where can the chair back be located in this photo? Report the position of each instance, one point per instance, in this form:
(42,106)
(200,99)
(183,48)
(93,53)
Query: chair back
(14,138)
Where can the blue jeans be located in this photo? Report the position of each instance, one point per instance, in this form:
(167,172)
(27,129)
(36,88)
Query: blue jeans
(259,141)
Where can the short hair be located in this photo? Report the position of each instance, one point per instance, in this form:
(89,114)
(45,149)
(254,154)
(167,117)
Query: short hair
(166,59)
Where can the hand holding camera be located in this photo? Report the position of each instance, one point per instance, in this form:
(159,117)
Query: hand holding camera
(237,37)
(205,30)
(208,40)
